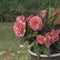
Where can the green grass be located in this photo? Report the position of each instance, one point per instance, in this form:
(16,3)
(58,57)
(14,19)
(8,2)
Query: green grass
(9,40)
(7,37)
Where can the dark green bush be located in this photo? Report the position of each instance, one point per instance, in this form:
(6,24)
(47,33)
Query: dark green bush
(9,9)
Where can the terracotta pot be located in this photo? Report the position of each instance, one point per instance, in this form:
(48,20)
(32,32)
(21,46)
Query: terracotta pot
(44,57)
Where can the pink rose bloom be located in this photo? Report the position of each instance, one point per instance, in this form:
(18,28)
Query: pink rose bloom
(54,35)
(44,40)
(55,13)
(36,23)
(41,39)
(28,19)
(19,29)
(48,36)
(20,19)
(48,39)
(43,13)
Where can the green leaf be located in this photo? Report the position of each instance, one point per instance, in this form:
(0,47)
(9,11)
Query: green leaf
(57,27)
(22,40)
(57,45)
(50,11)
(37,49)
(55,19)
(46,50)
(24,54)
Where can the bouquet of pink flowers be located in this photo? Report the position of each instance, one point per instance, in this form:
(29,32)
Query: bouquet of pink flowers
(42,29)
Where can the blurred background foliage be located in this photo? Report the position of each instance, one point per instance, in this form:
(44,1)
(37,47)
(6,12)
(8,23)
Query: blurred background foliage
(9,9)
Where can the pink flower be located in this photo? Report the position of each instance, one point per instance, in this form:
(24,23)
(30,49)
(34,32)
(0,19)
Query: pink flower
(48,39)
(21,19)
(55,36)
(41,39)
(48,36)
(43,13)
(28,19)
(55,13)
(36,23)
(19,29)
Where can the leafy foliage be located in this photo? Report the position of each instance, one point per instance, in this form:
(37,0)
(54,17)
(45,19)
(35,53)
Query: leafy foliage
(51,20)
(9,9)
(46,51)
(39,49)
(24,55)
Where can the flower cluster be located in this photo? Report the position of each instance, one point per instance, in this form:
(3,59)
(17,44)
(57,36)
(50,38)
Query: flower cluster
(20,26)
(49,38)
(38,24)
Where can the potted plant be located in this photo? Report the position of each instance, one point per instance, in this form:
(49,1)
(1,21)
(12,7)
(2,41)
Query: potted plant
(42,32)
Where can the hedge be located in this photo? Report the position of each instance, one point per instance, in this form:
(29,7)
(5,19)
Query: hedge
(9,9)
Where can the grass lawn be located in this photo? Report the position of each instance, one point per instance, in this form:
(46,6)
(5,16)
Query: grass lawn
(8,38)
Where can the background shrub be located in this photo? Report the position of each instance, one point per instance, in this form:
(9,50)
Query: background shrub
(9,9)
